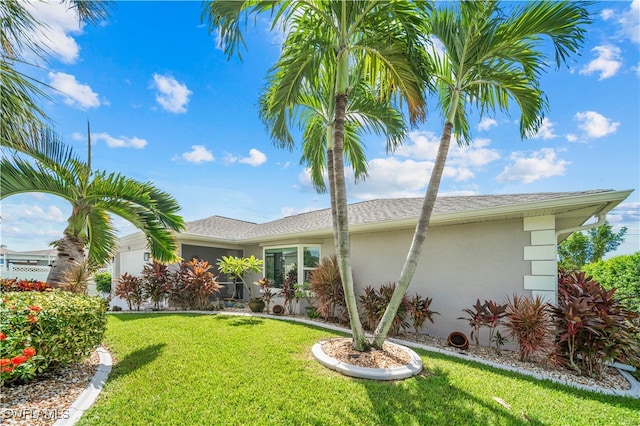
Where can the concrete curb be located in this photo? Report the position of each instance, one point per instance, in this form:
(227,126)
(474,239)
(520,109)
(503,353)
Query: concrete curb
(634,392)
(411,369)
(91,392)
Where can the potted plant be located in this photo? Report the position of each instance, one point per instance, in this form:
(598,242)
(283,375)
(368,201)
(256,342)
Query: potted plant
(238,267)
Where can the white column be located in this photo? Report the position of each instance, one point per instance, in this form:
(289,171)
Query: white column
(542,253)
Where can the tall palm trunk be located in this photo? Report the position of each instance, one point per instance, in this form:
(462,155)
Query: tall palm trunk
(419,236)
(70,253)
(341,227)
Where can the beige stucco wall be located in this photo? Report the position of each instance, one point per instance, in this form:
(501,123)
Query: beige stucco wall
(459,264)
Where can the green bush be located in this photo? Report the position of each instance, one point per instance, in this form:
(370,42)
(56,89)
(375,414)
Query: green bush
(621,272)
(61,327)
(103,282)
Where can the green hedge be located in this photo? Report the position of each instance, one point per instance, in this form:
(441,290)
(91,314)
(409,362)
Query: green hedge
(62,327)
(621,272)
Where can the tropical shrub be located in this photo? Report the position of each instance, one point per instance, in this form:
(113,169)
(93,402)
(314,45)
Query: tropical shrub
(326,284)
(194,284)
(43,331)
(156,282)
(266,291)
(622,273)
(488,314)
(528,321)
(103,282)
(592,326)
(14,284)
(370,307)
(476,318)
(77,277)
(420,312)
(129,288)
(373,304)
(288,290)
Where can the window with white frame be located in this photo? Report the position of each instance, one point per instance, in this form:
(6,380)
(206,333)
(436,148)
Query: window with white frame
(279,261)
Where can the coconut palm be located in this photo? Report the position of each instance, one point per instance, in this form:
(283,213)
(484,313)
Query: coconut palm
(380,40)
(491,56)
(54,168)
(20,110)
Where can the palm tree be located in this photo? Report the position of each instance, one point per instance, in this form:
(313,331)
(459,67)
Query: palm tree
(92,195)
(491,56)
(314,113)
(381,41)
(21,114)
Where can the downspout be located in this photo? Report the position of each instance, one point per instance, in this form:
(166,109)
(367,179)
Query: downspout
(601,219)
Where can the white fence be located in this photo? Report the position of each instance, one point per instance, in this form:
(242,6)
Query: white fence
(26,272)
(40,273)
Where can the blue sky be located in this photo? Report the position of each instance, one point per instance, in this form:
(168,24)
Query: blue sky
(166,106)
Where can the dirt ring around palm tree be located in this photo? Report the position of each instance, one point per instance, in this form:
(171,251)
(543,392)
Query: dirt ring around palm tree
(393,362)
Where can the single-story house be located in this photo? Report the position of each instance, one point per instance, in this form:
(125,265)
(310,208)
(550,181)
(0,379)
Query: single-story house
(478,247)
(28,265)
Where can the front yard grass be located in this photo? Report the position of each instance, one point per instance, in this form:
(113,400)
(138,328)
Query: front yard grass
(190,369)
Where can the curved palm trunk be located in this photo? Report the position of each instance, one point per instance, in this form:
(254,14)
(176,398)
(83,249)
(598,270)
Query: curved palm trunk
(419,236)
(341,227)
(70,253)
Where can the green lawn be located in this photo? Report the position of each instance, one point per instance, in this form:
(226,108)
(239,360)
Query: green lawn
(189,369)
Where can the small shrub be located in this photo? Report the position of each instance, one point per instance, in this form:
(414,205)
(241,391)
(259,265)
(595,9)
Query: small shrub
(592,326)
(129,288)
(288,290)
(476,318)
(370,306)
(194,284)
(529,322)
(14,284)
(488,314)
(60,327)
(76,279)
(156,282)
(103,282)
(374,303)
(266,291)
(420,312)
(326,284)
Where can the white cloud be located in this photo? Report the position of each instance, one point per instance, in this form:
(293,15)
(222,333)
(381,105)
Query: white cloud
(58,23)
(539,165)
(607,14)
(487,123)
(33,214)
(630,22)
(198,154)
(607,63)
(119,142)
(172,95)
(255,158)
(292,211)
(407,173)
(571,137)
(595,125)
(75,94)
(545,131)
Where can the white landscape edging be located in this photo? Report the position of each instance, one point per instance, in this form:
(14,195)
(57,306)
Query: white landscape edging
(91,392)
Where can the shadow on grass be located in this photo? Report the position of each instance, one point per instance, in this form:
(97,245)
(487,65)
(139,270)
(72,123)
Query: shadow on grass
(136,360)
(132,316)
(447,404)
(615,400)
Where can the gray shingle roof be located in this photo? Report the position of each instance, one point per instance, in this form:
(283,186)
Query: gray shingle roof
(366,212)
